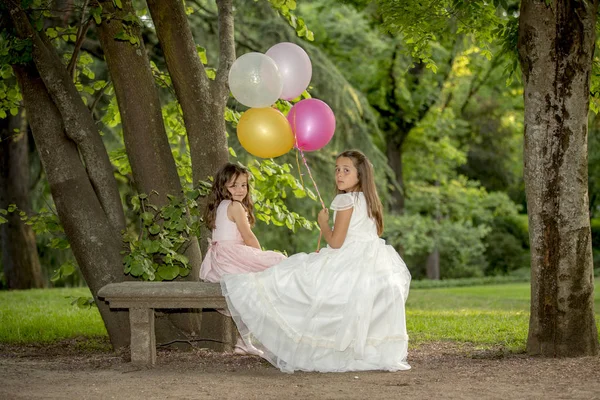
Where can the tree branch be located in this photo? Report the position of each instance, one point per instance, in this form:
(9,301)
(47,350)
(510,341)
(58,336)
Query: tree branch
(81,32)
(226,47)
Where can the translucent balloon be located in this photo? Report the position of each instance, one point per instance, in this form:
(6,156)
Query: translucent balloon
(265,132)
(254,80)
(313,123)
(294,66)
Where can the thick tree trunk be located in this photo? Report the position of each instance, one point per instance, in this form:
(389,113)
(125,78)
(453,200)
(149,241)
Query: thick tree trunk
(77,166)
(19,251)
(203,101)
(146,142)
(78,122)
(93,239)
(556,46)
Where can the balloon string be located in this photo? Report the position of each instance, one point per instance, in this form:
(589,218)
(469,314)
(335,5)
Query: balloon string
(309,174)
(299,171)
(311,178)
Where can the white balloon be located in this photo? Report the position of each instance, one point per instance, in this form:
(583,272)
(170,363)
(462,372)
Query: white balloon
(255,80)
(295,68)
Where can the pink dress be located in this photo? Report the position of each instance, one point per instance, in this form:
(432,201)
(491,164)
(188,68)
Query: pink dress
(228,254)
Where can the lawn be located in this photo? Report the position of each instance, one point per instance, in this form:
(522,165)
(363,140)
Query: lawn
(487,315)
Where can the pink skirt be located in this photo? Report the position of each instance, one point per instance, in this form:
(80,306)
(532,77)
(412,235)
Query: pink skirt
(226,257)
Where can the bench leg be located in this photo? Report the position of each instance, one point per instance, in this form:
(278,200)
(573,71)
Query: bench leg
(143,340)
(229,334)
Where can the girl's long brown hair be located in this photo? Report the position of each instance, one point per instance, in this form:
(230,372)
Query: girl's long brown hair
(219,193)
(366,184)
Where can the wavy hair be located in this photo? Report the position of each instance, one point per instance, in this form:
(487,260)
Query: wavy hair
(219,193)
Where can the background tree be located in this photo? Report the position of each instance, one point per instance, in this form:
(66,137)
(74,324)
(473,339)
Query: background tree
(556,41)
(556,48)
(19,251)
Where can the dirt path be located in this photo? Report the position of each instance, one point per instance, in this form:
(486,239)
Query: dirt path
(440,370)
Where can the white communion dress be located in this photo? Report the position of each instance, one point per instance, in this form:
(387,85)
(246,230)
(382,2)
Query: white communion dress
(332,311)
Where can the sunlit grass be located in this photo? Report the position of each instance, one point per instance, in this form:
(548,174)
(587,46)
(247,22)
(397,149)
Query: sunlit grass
(46,315)
(488,315)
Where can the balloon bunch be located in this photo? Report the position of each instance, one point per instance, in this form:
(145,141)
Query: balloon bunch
(257,80)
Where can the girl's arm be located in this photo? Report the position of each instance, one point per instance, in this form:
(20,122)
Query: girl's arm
(335,238)
(237,214)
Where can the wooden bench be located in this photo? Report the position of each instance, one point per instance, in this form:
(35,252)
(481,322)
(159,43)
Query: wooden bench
(142,298)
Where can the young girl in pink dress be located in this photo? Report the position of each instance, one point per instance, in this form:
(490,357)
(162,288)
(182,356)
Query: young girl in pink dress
(234,248)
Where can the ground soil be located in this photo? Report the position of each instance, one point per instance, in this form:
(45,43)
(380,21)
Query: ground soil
(77,369)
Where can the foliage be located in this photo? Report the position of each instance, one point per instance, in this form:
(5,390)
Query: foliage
(469,228)
(422,23)
(45,224)
(272,183)
(285,8)
(156,252)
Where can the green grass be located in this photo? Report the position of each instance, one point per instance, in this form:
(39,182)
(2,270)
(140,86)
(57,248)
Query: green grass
(46,315)
(489,315)
(486,315)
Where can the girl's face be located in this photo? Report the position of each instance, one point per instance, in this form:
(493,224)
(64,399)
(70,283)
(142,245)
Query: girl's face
(346,175)
(238,187)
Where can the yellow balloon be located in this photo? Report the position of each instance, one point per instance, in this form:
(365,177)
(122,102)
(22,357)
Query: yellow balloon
(265,132)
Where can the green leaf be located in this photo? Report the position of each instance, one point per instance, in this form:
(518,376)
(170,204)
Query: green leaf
(51,33)
(97,14)
(168,272)
(55,276)
(67,269)
(118,4)
(137,269)
(154,229)
(147,217)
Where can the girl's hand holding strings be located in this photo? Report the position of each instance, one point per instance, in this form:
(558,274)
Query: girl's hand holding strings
(323,218)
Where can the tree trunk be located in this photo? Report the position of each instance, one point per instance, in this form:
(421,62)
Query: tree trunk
(432,265)
(92,237)
(78,168)
(203,101)
(19,251)
(556,47)
(79,125)
(146,142)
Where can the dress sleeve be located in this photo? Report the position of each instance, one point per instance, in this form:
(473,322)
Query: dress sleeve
(342,201)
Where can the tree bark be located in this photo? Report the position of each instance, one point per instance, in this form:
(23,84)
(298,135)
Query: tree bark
(19,250)
(146,142)
(556,47)
(78,122)
(203,101)
(77,166)
(432,265)
(90,233)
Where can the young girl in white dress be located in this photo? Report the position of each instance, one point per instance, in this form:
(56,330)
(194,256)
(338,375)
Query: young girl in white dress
(341,309)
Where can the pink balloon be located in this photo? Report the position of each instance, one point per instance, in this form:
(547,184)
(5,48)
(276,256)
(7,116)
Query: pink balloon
(294,66)
(313,124)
